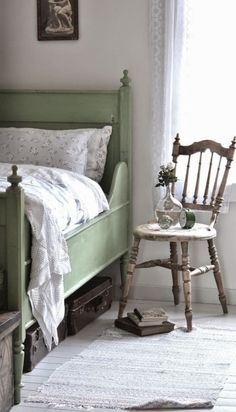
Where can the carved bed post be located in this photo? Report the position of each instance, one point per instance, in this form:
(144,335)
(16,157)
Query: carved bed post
(126,156)
(15,267)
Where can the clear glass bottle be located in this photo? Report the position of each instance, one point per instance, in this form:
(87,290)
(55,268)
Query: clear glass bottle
(168,210)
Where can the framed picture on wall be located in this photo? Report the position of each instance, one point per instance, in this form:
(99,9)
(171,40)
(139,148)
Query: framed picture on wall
(57,19)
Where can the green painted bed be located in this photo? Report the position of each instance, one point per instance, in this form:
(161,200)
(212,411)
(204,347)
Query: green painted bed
(92,246)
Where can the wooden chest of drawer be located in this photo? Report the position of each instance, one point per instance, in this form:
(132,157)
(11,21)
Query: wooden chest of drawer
(8,322)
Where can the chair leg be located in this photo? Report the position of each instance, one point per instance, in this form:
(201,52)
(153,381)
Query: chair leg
(129,276)
(174,271)
(217,274)
(186,284)
(123,267)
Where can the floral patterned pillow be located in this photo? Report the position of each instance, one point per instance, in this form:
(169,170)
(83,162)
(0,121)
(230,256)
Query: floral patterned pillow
(45,148)
(79,150)
(97,152)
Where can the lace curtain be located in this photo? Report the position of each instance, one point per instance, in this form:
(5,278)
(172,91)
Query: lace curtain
(167,45)
(193,75)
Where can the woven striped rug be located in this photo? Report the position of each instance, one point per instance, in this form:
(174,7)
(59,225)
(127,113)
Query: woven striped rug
(123,371)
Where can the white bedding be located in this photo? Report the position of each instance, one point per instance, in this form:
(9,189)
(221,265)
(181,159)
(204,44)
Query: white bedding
(54,200)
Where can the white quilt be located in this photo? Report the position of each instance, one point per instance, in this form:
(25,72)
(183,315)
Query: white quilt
(54,199)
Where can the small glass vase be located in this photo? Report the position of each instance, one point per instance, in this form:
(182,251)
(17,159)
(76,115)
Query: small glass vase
(168,210)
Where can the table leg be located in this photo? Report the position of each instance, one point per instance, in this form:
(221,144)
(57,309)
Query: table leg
(217,274)
(186,284)
(129,276)
(174,271)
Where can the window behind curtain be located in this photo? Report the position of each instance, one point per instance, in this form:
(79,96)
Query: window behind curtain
(208,92)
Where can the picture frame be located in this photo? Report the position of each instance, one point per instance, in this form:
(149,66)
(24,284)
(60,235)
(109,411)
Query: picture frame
(57,19)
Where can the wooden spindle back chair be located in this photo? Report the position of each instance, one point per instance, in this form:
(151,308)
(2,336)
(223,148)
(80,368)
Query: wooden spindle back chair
(202,190)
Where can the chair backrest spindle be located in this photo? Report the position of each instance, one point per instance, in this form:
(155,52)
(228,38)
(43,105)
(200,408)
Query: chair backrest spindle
(186,180)
(195,196)
(213,195)
(205,196)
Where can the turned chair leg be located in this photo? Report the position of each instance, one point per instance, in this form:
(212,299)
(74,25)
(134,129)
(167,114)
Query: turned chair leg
(186,284)
(174,271)
(129,276)
(217,274)
(123,267)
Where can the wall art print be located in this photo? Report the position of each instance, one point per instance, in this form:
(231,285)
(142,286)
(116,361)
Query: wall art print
(57,19)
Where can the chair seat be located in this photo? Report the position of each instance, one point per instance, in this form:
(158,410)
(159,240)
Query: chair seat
(152,231)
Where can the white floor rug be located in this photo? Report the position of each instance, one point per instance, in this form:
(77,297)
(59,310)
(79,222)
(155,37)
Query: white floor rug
(123,371)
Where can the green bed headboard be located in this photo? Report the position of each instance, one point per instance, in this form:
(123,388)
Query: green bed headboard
(72,109)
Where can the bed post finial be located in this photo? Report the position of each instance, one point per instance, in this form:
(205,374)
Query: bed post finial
(125,80)
(14,179)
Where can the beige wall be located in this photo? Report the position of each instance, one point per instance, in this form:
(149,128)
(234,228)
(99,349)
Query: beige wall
(113,35)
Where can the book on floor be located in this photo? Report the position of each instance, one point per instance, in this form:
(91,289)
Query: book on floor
(145,323)
(129,326)
(150,314)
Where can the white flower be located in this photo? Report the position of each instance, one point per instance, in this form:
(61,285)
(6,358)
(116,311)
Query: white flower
(170,165)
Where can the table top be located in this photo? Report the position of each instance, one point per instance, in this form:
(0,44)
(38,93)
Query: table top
(152,231)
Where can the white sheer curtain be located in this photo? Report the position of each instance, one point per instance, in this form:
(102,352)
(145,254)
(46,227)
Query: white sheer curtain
(167,20)
(193,74)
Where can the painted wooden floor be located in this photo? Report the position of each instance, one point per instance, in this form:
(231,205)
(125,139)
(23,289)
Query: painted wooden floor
(75,344)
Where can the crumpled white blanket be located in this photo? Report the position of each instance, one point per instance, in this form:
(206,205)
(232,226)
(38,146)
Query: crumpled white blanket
(54,199)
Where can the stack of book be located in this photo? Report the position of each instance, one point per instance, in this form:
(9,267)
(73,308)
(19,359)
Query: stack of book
(146,322)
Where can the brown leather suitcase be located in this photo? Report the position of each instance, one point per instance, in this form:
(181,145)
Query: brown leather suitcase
(35,348)
(90,301)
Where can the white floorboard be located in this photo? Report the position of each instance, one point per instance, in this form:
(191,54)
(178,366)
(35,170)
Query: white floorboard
(75,344)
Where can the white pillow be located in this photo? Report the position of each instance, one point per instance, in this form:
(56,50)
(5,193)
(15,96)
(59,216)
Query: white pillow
(97,152)
(80,150)
(44,147)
